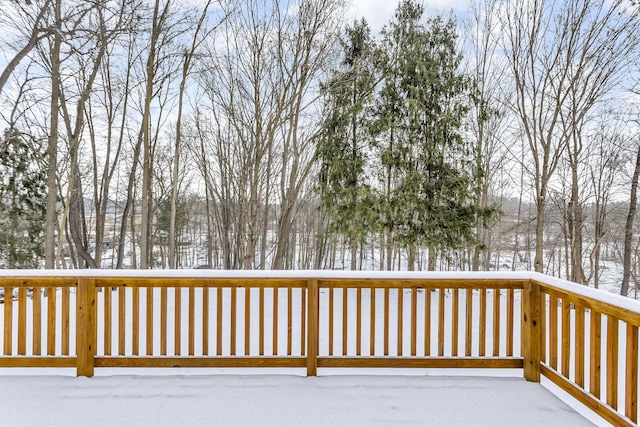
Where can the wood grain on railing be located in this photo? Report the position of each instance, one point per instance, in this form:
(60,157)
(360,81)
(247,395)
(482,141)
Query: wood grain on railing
(583,356)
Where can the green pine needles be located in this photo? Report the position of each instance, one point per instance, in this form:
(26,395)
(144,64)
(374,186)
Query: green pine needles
(393,158)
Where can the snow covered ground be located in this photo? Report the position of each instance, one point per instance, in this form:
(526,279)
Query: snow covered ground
(278,400)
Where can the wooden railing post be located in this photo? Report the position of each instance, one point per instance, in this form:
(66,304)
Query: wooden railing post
(531,330)
(85,326)
(312,328)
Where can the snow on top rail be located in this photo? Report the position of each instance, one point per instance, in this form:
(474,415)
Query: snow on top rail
(564,285)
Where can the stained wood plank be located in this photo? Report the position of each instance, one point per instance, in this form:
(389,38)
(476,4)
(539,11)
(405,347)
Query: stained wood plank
(247,321)
(553,332)
(51,320)
(107,316)
(372,323)
(454,321)
(303,318)
(313,328)
(543,328)
(427,322)
(595,349)
(64,327)
(233,333)
(496,322)
(289,320)
(261,322)
(631,383)
(587,399)
(164,295)
(400,318)
(22,321)
(441,317)
(8,321)
(219,321)
(421,362)
(135,323)
(414,320)
(612,362)
(510,320)
(358,321)
(345,319)
(275,321)
(205,321)
(192,321)
(122,313)
(201,362)
(482,330)
(386,322)
(469,320)
(565,350)
(37,321)
(579,346)
(149,321)
(86,327)
(531,331)
(331,317)
(177,321)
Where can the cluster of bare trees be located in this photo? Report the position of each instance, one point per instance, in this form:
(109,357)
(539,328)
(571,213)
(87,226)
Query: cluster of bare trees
(184,134)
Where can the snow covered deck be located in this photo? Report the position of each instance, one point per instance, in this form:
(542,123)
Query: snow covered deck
(280,400)
(583,341)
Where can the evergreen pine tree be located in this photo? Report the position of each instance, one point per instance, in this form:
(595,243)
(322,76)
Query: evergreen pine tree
(22,202)
(346,138)
(427,162)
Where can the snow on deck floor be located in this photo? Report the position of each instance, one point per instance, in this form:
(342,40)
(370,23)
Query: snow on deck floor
(279,400)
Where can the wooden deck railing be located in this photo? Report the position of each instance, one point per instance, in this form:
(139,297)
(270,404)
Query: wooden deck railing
(583,340)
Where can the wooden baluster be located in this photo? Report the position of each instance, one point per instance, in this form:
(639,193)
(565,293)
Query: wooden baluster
(469,319)
(553,332)
(8,319)
(163,320)
(149,321)
(233,320)
(372,323)
(37,321)
(275,321)
(51,319)
(414,320)
(205,321)
(579,346)
(496,322)
(247,321)
(122,319)
(22,321)
(400,317)
(565,351)
(192,320)
(107,316)
(612,362)
(631,386)
(427,322)
(219,297)
(482,338)
(358,321)
(289,320)
(595,345)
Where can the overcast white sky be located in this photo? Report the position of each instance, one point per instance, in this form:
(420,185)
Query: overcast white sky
(379,12)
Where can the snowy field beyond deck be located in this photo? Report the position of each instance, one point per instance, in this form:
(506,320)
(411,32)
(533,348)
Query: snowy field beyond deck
(278,400)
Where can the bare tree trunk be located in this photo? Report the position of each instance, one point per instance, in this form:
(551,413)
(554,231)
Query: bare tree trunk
(628,228)
(52,150)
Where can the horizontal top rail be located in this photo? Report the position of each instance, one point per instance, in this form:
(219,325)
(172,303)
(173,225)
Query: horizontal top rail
(273,274)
